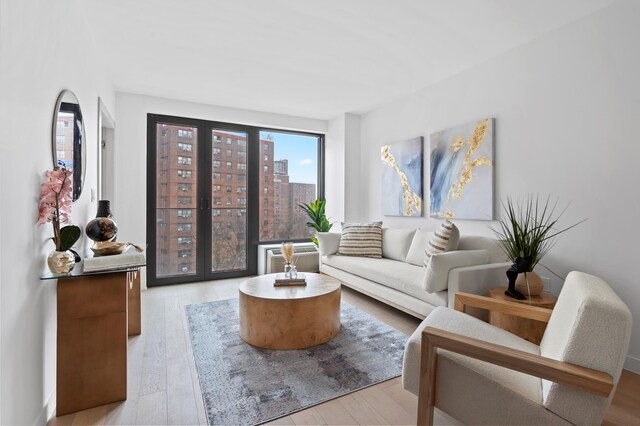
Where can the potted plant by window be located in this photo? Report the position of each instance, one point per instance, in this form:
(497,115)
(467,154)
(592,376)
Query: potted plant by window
(317,216)
(527,231)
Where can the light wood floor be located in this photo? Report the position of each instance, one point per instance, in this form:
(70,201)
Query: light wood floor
(163,384)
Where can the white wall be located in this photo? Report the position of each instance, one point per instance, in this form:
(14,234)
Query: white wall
(342,164)
(354,196)
(334,168)
(44,48)
(566,109)
(129,203)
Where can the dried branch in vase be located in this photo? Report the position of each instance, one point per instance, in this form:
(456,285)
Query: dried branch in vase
(287,252)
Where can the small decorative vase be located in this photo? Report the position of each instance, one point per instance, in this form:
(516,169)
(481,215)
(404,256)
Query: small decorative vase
(535,287)
(61,262)
(103,227)
(293,272)
(287,270)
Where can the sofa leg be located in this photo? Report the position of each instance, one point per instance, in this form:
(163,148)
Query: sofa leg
(427,386)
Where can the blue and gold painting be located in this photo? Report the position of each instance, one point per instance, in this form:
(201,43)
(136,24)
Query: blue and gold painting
(402,165)
(462,172)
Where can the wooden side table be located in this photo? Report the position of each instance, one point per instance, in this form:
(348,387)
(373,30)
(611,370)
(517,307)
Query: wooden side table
(528,329)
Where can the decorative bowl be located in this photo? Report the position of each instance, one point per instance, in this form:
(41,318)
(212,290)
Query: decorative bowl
(108,248)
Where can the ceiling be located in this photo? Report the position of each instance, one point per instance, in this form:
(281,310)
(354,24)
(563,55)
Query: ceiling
(311,58)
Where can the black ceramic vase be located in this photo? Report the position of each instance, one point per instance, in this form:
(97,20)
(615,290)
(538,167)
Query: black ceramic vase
(103,227)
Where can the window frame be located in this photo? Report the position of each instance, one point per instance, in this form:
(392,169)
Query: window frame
(204,196)
(320,186)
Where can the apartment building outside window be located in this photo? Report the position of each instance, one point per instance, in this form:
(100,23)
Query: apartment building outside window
(187,134)
(184,160)
(184,240)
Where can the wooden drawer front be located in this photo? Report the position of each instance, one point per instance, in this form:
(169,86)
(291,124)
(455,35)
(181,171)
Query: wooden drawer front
(93,295)
(92,361)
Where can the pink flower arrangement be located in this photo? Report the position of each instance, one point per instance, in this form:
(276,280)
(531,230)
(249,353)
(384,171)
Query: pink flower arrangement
(55,201)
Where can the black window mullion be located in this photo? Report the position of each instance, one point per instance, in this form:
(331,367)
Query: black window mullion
(204,200)
(152,172)
(253,197)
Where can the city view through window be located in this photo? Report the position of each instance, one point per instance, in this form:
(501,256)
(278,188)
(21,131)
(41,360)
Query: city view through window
(288,174)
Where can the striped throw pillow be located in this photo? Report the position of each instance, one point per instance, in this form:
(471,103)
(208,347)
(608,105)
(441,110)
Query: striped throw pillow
(361,239)
(438,243)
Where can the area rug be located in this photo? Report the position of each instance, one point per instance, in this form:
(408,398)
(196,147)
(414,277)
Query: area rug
(242,384)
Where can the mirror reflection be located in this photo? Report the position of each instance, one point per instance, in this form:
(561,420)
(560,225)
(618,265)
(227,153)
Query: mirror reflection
(68,134)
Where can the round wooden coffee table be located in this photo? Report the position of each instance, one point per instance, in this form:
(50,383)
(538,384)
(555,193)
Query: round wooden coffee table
(294,317)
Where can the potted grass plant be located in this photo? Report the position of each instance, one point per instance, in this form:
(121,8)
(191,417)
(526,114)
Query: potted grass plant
(317,217)
(527,231)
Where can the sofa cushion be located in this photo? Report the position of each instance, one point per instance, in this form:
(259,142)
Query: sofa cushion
(440,240)
(436,277)
(400,276)
(416,255)
(396,243)
(328,242)
(361,239)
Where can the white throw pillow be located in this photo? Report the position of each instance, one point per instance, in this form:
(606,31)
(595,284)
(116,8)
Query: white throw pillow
(396,243)
(436,277)
(361,239)
(416,255)
(328,242)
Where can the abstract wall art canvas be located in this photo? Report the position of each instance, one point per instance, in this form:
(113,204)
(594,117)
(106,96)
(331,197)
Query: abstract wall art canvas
(461,163)
(402,164)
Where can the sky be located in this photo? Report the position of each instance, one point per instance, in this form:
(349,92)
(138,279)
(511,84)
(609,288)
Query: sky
(302,153)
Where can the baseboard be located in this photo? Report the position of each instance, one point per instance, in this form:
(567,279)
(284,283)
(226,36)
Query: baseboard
(632,364)
(47,412)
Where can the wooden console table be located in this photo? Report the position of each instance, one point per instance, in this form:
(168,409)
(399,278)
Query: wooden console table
(96,313)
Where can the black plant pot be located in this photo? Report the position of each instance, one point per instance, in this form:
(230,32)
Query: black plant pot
(103,227)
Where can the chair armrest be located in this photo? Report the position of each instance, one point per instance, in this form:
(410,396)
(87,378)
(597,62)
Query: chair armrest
(586,379)
(462,300)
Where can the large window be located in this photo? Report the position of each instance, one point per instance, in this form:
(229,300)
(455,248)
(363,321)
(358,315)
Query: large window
(288,177)
(216,190)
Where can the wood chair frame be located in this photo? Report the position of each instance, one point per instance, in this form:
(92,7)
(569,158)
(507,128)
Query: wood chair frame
(593,381)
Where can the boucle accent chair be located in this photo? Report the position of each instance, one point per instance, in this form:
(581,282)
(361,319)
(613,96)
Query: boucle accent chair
(479,374)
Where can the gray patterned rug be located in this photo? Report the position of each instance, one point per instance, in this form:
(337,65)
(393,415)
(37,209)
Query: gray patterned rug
(242,384)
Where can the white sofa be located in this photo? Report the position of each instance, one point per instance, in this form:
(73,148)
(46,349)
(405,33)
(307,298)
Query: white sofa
(403,280)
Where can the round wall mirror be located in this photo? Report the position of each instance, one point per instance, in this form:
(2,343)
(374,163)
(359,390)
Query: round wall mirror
(68,139)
